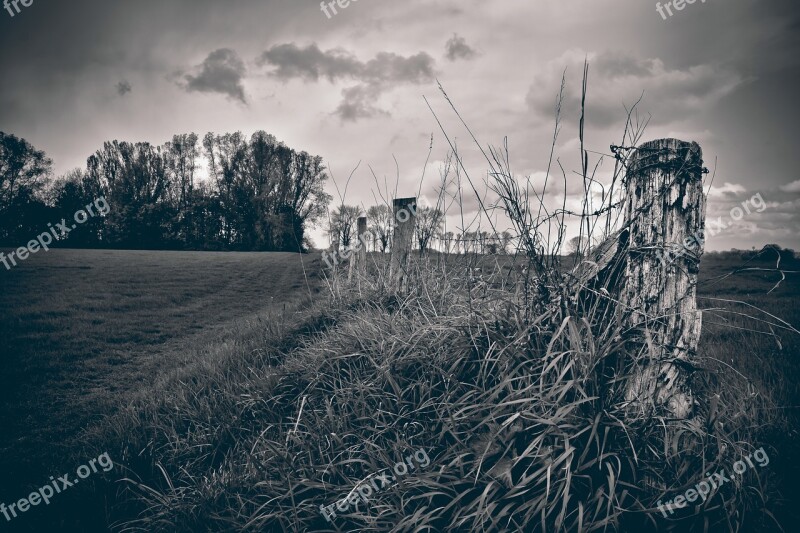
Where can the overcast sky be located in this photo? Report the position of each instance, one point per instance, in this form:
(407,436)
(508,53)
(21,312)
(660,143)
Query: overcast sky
(350,87)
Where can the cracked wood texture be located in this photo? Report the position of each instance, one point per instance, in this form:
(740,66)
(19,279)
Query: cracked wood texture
(664,207)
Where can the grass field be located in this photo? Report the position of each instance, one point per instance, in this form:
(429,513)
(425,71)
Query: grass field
(86,332)
(766,365)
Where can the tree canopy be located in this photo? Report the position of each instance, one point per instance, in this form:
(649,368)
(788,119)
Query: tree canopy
(258,194)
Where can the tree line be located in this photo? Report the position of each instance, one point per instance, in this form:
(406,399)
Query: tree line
(258,194)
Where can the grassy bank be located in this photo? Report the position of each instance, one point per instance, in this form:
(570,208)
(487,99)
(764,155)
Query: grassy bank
(512,412)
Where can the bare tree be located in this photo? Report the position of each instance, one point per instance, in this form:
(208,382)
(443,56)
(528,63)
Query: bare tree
(429,224)
(506,239)
(343,224)
(484,238)
(469,240)
(380,220)
(447,240)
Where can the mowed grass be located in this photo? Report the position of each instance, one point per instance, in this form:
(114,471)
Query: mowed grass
(83,331)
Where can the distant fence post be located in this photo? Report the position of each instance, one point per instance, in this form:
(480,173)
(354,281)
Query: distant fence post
(405,215)
(361,257)
(665,219)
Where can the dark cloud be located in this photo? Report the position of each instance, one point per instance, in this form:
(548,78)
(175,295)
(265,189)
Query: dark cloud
(457,48)
(221,72)
(123,88)
(613,65)
(618,80)
(764,216)
(359,102)
(376,76)
(309,63)
(388,68)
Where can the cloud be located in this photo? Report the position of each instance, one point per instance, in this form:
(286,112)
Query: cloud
(123,88)
(730,190)
(376,76)
(737,214)
(618,78)
(309,63)
(791,187)
(612,66)
(457,48)
(358,102)
(221,72)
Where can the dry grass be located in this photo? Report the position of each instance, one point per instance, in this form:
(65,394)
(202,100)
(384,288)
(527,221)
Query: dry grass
(506,374)
(513,412)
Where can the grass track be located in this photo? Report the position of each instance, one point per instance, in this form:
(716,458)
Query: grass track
(84,330)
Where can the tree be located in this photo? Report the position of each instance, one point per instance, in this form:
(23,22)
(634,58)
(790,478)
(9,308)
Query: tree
(342,225)
(469,240)
(261,195)
(23,171)
(72,192)
(770,251)
(227,165)
(133,177)
(380,219)
(506,239)
(429,223)
(448,241)
(308,200)
(268,192)
(182,155)
(484,240)
(496,244)
(573,245)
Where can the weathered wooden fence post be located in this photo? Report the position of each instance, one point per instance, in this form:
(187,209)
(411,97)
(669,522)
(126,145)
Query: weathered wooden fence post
(664,211)
(405,215)
(361,257)
(648,273)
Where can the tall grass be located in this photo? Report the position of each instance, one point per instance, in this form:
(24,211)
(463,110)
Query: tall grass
(510,410)
(497,367)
